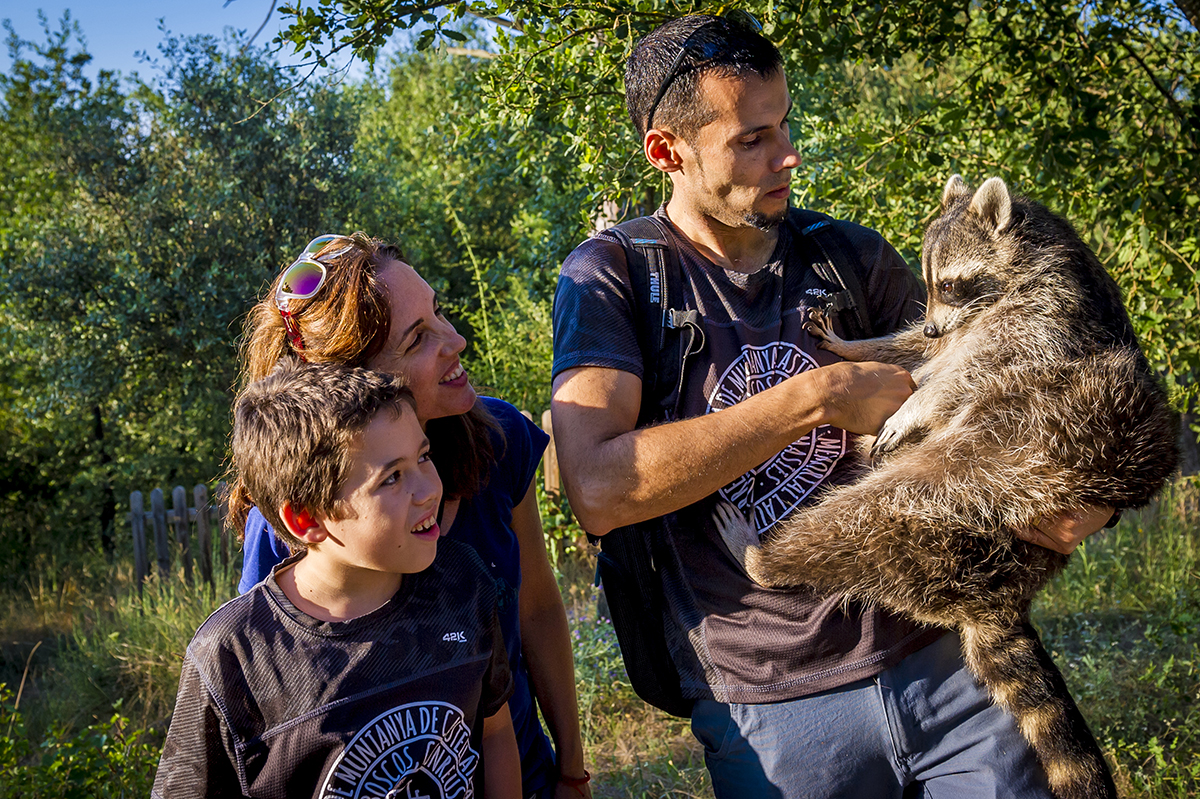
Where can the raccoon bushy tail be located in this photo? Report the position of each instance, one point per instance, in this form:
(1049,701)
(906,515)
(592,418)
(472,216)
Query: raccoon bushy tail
(1021,677)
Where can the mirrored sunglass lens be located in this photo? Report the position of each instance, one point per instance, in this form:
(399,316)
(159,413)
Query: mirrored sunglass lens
(739,17)
(319,242)
(302,279)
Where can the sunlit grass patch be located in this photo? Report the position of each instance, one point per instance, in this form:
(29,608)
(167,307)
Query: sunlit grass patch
(101,645)
(1123,623)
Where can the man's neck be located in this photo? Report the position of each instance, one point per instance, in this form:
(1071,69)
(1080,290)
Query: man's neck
(739,249)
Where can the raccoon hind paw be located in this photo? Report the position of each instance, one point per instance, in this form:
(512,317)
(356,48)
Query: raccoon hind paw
(741,541)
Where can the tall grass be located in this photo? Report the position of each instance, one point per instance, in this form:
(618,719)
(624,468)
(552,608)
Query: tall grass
(105,650)
(634,749)
(98,670)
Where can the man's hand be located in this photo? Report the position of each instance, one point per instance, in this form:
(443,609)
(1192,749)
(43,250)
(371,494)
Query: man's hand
(860,397)
(1065,531)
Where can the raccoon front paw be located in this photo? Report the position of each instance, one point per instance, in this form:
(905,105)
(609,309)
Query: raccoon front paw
(887,441)
(902,425)
(739,537)
(820,326)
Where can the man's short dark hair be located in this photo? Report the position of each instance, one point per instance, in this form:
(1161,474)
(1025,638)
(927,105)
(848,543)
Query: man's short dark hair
(724,48)
(294,431)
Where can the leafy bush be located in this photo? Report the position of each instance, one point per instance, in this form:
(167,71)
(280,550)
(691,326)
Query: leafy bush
(112,758)
(511,355)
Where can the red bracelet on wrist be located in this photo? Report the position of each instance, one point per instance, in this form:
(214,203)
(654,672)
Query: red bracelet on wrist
(575,782)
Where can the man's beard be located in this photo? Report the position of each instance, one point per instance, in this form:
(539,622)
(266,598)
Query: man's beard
(765,223)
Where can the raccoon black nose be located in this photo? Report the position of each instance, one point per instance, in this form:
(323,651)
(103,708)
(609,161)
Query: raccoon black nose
(931,331)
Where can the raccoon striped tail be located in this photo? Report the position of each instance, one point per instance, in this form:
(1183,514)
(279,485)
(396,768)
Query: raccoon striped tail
(1021,677)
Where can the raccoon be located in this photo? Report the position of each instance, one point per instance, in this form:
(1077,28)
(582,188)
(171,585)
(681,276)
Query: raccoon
(1032,398)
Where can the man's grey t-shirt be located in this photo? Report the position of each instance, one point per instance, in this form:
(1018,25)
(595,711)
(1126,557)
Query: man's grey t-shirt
(733,640)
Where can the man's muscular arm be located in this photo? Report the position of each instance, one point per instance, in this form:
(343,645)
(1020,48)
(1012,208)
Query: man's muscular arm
(616,475)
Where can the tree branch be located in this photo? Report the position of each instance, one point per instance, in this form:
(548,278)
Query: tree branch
(472,52)
(1172,103)
(250,41)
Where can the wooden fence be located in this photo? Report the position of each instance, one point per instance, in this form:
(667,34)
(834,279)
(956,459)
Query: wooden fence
(207,516)
(553,480)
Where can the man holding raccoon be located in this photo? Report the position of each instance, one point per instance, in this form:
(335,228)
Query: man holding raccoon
(795,695)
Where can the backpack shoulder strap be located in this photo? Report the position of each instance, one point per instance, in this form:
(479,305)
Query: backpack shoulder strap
(626,565)
(667,333)
(838,264)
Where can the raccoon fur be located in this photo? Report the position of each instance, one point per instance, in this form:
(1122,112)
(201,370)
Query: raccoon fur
(1033,398)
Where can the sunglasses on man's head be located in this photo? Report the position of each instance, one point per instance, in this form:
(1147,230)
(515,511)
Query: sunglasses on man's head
(302,280)
(704,51)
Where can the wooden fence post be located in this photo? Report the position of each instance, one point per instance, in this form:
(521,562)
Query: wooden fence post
(158,514)
(203,533)
(219,511)
(183,530)
(207,513)
(553,481)
(137,520)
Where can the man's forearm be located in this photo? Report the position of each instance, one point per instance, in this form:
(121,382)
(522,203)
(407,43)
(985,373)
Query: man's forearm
(650,472)
(615,475)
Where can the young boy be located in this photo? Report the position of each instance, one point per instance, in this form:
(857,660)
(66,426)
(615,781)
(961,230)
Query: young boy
(357,668)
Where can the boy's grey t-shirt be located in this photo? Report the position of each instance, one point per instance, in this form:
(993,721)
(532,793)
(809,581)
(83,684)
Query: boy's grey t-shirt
(275,703)
(733,640)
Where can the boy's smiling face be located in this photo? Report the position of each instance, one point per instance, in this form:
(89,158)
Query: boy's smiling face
(391,499)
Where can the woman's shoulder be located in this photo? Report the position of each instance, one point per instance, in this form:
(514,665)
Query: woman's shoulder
(519,444)
(503,412)
(514,424)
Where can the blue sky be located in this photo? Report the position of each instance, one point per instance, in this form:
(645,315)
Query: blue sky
(116,29)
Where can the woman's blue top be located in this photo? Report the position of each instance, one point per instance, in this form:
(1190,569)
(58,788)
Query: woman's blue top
(485,522)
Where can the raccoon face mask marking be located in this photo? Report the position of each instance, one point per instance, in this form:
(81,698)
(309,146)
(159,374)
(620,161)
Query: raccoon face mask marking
(962,252)
(954,300)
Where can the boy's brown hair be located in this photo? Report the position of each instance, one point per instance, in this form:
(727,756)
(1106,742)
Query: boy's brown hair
(294,431)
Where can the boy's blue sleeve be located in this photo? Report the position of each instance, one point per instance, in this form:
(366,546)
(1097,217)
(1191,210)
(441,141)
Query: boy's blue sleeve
(262,551)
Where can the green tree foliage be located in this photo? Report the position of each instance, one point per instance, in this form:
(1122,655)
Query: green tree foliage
(1090,107)
(487,234)
(144,218)
(145,223)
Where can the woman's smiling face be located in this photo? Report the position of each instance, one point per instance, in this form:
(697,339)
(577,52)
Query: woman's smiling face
(423,347)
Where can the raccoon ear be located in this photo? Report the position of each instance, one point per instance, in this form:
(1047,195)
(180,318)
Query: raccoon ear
(993,205)
(955,187)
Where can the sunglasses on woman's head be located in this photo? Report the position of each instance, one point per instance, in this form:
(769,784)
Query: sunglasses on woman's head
(302,280)
(704,51)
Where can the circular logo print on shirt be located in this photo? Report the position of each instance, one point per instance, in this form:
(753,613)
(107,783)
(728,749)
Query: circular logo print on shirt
(777,487)
(420,750)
